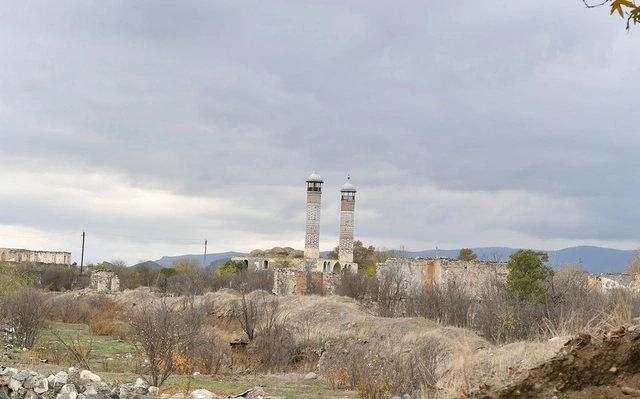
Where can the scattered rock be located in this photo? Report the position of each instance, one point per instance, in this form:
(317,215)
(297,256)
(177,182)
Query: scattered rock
(311,376)
(27,384)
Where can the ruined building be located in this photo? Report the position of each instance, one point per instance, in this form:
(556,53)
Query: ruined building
(295,269)
(472,275)
(105,281)
(13,255)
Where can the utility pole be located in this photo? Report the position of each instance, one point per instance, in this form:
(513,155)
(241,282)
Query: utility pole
(204,262)
(82,255)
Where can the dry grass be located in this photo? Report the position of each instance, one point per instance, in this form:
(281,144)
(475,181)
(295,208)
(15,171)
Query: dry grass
(465,360)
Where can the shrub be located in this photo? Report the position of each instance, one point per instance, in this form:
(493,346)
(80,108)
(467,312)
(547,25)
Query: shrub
(26,311)
(375,374)
(99,312)
(356,286)
(168,337)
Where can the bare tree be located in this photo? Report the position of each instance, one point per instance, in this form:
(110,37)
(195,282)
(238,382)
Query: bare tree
(26,311)
(275,344)
(247,314)
(167,335)
(393,290)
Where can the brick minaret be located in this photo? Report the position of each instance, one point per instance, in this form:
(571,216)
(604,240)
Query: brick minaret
(312,236)
(347,208)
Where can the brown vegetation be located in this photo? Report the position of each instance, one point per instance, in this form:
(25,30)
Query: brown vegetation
(381,337)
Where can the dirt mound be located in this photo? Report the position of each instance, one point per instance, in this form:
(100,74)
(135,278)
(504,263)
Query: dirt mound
(605,366)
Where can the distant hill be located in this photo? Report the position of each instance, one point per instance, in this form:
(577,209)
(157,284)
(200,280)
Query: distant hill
(213,260)
(150,264)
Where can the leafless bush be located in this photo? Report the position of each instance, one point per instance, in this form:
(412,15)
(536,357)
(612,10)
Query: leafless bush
(26,311)
(374,374)
(264,323)
(167,336)
(66,309)
(571,303)
(99,312)
(58,277)
(275,343)
(314,284)
(575,306)
(183,284)
(77,352)
(249,281)
(448,304)
(248,315)
(618,307)
(502,319)
(392,292)
(211,355)
(356,286)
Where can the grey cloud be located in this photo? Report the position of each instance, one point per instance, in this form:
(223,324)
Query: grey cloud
(241,101)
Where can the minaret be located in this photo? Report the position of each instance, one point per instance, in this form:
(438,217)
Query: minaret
(312,236)
(347,208)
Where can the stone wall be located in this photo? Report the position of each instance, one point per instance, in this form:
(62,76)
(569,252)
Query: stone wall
(105,281)
(296,282)
(610,281)
(427,271)
(15,255)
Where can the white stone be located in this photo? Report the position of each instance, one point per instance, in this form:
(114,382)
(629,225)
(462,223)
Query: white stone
(41,386)
(68,391)
(90,390)
(141,387)
(311,376)
(201,394)
(60,378)
(89,376)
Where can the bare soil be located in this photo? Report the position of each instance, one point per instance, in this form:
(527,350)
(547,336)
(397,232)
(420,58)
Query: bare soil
(605,366)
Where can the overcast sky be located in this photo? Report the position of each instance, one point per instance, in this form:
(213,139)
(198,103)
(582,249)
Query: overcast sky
(154,125)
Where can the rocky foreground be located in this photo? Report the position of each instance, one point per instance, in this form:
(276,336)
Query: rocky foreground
(83,384)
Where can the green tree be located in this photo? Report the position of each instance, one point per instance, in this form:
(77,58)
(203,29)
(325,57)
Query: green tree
(528,274)
(163,278)
(467,254)
(627,9)
(231,267)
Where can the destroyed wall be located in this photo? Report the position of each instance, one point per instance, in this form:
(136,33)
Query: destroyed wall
(609,281)
(427,271)
(298,282)
(105,281)
(473,274)
(15,255)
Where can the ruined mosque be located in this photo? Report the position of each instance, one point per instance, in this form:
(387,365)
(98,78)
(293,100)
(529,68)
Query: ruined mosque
(297,272)
(298,264)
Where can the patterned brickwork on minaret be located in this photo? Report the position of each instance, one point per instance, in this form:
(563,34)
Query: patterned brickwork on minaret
(347,213)
(314,198)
